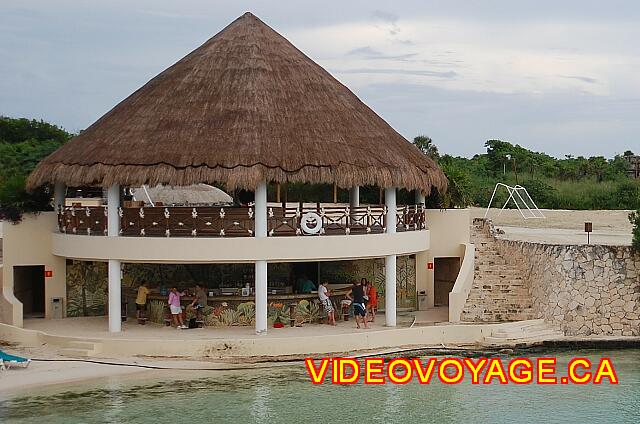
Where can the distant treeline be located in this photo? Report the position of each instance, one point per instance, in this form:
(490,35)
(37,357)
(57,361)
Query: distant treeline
(570,183)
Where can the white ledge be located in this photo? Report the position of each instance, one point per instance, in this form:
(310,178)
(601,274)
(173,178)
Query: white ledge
(239,249)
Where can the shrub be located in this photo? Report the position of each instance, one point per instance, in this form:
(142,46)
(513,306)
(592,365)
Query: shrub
(634,218)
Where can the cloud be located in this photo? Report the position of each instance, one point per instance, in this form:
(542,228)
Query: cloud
(589,80)
(421,73)
(390,19)
(367,52)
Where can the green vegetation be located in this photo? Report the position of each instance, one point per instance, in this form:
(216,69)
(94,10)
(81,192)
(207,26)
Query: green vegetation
(569,183)
(634,218)
(23,143)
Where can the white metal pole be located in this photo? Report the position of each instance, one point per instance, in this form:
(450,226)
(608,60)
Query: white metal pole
(261,266)
(58,196)
(390,261)
(115,273)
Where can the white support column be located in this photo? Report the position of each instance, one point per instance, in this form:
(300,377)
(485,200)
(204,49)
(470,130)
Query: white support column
(390,261)
(354,197)
(58,196)
(115,296)
(115,272)
(390,290)
(260,217)
(113,204)
(392,210)
(420,198)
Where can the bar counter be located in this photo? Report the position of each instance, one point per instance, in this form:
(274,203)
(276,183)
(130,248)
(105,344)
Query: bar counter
(233,310)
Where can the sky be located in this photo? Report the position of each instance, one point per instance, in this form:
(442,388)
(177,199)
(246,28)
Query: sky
(555,76)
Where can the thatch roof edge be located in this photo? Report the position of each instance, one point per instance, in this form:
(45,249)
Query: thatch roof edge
(245,177)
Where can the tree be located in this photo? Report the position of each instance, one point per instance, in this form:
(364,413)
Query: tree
(24,143)
(426,146)
(458,193)
(634,219)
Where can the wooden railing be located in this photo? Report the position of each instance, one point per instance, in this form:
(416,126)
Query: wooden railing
(205,221)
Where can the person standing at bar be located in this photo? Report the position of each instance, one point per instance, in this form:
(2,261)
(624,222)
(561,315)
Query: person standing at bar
(176,308)
(323,295)
(141,300)
(356,295)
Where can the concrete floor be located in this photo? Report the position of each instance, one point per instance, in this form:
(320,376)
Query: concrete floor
(87,327)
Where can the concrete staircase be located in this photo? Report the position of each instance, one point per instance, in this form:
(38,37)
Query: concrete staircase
(522,333)
(81,349)
(499,292)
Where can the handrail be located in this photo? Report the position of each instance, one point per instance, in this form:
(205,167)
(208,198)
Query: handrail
(464,282)
(222,221)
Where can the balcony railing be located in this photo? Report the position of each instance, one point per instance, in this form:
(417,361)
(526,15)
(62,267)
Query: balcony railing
(206,221)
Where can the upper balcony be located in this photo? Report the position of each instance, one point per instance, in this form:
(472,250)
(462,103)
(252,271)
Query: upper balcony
(283,220)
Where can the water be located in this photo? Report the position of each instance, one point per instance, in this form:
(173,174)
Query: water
(285,395)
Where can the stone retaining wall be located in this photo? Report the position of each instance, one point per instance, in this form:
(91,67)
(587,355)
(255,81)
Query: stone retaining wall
(583,289)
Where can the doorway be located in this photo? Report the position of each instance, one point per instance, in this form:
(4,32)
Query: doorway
(28,287)
(445,274)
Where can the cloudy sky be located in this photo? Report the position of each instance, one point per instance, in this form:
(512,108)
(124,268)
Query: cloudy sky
(555,76)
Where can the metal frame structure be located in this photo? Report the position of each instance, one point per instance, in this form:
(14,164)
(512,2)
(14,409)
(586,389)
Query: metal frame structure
(531,210)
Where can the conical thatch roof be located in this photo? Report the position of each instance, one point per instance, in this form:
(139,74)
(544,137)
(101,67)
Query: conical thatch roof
(196,194)
(245,106)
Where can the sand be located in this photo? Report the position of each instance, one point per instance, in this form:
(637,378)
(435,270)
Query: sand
(562,226)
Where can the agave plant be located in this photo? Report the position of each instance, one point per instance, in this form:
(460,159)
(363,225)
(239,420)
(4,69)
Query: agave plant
(307,312)
(229,317)
(247,311)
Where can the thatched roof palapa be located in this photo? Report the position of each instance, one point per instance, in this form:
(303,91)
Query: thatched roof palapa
(196,194)
(245,106)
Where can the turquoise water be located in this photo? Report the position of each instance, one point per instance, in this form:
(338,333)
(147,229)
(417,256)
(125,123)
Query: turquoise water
(285,395)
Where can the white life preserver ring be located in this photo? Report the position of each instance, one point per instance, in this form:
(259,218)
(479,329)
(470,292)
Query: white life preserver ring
(313,219)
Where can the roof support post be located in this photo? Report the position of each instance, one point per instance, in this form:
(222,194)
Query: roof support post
(390,290)
(390,261)
(114,269)
(354,197)
(392,210)
(420,197)
(261,266)
(59,190)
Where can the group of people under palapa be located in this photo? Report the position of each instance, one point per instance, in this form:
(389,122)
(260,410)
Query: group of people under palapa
(362,295)
(175,307)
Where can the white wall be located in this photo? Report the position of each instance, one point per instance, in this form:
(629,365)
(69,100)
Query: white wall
(29,243)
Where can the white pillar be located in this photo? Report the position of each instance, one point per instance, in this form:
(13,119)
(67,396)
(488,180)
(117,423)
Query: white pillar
(115,273)
(392,212)
(354,197)
(58,196)
(113,204)
(390,290)
(260,217)
(390,261)
(420,198)
(261,296)
(115,296)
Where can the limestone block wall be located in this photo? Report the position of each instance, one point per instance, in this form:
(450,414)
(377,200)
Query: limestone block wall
(582,289)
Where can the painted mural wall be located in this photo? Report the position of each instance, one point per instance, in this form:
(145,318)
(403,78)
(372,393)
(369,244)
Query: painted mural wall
(87,285)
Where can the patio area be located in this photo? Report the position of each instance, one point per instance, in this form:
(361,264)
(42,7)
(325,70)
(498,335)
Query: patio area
(97,328)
